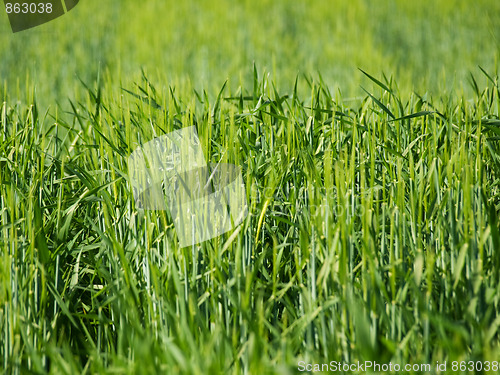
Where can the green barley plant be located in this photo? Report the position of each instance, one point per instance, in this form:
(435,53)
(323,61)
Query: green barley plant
(372,232)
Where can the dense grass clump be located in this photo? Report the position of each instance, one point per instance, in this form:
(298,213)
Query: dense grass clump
(372,233)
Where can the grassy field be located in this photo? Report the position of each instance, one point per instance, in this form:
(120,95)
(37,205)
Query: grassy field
(430,46)
(373,229)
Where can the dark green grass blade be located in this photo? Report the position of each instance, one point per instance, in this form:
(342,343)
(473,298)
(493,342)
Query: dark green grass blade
(380,104)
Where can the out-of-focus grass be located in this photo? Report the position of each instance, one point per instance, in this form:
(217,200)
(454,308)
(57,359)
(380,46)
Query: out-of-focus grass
(428,45)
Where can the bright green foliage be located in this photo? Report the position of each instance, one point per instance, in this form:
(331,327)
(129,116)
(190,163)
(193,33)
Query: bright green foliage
(373,230)
(429,45)
(373,233)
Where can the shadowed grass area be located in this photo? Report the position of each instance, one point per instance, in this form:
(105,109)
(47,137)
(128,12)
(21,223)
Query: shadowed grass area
(371,233)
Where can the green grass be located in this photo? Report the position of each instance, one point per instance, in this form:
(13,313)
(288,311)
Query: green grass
(430,46)
(369,138)
(371,233)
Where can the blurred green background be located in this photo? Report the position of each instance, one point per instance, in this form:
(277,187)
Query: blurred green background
(428,46)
